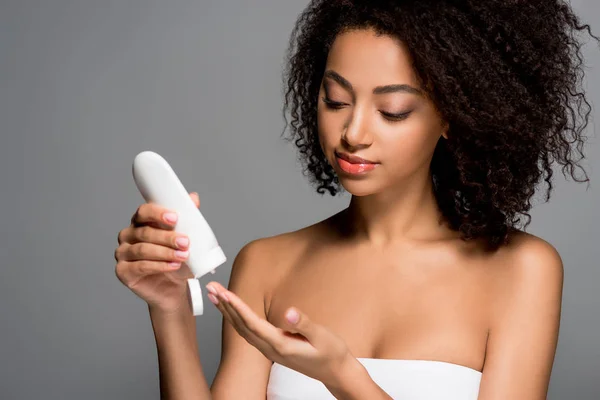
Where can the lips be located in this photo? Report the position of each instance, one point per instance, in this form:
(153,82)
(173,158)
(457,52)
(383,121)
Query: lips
(354,165)
(354,159)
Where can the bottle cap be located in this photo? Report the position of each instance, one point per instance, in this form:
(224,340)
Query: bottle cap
(196,296)
(200,264)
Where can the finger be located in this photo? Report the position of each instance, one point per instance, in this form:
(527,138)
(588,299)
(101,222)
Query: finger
(149,234)
(154,215)
(235,323)
(222,301)
(130,272)
(149,251)
(124,234)
(238,323)
(247,318)
(234,319)
(301,324)
(134,217)
(223,311)
(196,198)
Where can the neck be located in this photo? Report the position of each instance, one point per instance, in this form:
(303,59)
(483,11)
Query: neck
(407,211)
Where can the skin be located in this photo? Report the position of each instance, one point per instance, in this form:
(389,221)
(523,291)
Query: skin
(386,276)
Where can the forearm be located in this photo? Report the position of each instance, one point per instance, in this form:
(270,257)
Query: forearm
(180,371)
(355,383)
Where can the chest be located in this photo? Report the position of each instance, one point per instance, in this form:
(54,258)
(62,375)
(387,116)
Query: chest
(397,305)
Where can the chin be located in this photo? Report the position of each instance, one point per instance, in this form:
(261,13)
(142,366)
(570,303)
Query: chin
(357,187)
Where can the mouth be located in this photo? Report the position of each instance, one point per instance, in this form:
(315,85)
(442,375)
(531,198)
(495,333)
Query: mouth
(353,159)
(354,165)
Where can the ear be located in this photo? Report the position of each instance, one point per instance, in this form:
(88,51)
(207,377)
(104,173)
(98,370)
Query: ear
(445,128)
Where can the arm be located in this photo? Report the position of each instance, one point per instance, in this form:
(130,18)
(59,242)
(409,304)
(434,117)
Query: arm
(243,371)
(524,330)
(355,383)
(180,372)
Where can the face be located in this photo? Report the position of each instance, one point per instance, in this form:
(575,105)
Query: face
(371,106)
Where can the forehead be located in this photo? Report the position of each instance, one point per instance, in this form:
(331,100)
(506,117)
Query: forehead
(367,59)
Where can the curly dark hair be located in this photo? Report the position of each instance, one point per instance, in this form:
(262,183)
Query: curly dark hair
(505,75)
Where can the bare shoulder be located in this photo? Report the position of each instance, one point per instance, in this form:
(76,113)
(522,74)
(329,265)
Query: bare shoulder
(525,318)
(269,258)
(244,371)
(526,266)
(529,259)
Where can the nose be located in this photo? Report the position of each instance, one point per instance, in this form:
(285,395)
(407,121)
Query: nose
(357,132)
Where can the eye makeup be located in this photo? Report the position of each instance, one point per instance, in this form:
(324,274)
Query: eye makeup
(391,116)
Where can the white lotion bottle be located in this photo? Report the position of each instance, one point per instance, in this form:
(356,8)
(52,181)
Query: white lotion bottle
(158,183)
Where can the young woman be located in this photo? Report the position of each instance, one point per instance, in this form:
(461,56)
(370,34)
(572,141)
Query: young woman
(439,118)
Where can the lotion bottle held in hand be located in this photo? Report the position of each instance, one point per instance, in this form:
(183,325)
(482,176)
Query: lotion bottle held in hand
(158,183)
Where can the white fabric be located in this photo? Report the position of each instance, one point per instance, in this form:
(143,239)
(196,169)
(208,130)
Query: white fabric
(401,379)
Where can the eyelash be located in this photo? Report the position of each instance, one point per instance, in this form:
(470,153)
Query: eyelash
(335,105)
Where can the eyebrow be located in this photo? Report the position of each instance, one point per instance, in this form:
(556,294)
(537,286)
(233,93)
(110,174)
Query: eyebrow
(378,90)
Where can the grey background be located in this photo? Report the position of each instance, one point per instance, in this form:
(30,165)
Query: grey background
(86,85)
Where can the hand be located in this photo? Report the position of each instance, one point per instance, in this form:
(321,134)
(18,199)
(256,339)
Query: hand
(303,345)
(150,260)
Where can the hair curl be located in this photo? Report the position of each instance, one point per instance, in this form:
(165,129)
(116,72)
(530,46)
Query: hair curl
(505,74)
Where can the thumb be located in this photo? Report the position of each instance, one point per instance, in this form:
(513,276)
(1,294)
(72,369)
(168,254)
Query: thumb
(196,199)
(298,322)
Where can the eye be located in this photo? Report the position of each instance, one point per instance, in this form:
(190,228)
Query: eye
(395,117)
(334,105)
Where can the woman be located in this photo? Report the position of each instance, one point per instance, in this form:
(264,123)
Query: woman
(440,118)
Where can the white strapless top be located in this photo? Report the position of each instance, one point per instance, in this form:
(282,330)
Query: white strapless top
(401,379)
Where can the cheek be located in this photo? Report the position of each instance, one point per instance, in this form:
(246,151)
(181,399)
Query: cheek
(323,136)
(329,128)
(408,146)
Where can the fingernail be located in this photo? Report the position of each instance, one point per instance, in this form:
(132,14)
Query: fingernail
(182,254)
(292,316)
(223,296)
(182,241)
(170,217)
(211,289)
(212,298)
(174,264)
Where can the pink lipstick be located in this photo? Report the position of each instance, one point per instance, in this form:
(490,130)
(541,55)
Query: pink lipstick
(353,164)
